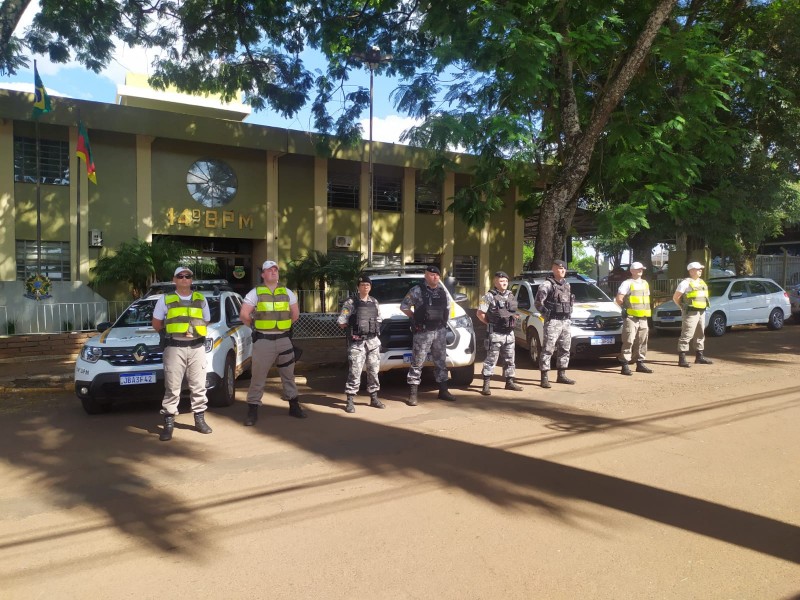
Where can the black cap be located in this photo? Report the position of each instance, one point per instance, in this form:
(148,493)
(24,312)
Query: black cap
(501,274)
(364,279)
(433,269)
(560,263)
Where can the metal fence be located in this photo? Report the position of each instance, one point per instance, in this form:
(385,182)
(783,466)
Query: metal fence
(783,269)
(317,325)
(59,318)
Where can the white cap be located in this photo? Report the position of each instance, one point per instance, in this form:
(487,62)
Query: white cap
(180,270)
(268,264)
(637,265)
(693,265)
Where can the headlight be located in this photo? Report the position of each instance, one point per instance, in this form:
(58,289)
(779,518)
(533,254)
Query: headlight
(91,353)
(463,321)
(209,344)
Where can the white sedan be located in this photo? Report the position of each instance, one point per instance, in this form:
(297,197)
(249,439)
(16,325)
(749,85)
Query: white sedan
(734,301)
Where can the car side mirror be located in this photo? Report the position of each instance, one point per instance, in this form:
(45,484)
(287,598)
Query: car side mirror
(101,327)
(459,297)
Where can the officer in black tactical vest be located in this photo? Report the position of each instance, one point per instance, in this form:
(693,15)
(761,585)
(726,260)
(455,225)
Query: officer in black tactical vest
(361,315)
(554,301)
(498,309)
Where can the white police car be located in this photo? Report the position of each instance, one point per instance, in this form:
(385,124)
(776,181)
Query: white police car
(596,319)
(389,287)
(125,360)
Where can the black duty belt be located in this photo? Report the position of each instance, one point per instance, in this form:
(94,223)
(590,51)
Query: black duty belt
(369,336)
(270,336)
(692,309)
(186,343)
(559,317)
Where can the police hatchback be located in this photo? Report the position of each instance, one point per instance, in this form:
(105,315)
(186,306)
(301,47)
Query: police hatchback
(596,320)
(125,360)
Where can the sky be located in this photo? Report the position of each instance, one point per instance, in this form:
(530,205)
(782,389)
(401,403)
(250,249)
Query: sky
(75,81)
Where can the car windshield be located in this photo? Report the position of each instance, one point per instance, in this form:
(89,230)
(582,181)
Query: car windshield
(718,288)
(586,292)
(392,291)
(140,314)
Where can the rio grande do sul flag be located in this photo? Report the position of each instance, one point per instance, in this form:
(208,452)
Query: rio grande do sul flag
(84,151)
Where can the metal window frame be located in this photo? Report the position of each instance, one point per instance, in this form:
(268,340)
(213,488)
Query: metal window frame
(55,260)
(53,161)
(344,190)
(465,270)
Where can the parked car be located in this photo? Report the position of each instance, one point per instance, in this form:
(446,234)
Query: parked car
(125,360)
(733,301)
(390,286)
(794,299)
(596,320)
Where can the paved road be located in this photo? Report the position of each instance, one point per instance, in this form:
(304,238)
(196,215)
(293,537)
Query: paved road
(680,484)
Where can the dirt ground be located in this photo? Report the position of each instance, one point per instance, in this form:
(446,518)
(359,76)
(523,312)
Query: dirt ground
(680,484)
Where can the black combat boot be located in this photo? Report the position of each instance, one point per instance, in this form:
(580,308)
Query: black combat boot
(642,368)
(562,377)
(349,408)
(699,359)
(682,362)
(626,369)
(374,402)
(512,385)
(200,423)
(412,395)
(252,415)
(444,393)
(169,425)
(545,380)
(295,410)
(485,390)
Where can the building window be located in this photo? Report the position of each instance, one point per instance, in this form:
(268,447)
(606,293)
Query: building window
(55,260)
(53,161)
(344,256)
(385,259)
(343,190)
(427,197)
(387,194)
(428,259)
(465,270)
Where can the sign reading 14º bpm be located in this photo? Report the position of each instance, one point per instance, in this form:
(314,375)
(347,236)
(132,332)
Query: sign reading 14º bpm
(209,218)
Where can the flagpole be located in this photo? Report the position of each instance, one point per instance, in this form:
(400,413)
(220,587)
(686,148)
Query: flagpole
(78,203)
(38,206)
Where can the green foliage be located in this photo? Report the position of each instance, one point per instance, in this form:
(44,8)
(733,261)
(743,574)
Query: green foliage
(582,261)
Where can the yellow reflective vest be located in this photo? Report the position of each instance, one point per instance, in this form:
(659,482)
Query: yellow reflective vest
(272,310)
(185,318)
(697,295)
(638,299)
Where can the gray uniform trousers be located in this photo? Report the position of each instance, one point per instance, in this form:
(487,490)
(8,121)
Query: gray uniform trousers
(191,362)
(434,342)
(265,353)
(692,329)
(360,352)
(500,345)
(556,336)
(635,332)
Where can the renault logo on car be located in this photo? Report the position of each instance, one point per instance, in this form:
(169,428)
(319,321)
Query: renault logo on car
(140,352)
(599,323)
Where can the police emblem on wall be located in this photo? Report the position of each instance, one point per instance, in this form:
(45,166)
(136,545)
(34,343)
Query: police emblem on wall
(37,287)
(238,272)
(211,182)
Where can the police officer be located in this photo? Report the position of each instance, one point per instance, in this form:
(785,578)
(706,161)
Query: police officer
(270,310)
(554,301)
(361,313)
(692,296)
(498,310)
(183,316)
(431,309)
(633,296)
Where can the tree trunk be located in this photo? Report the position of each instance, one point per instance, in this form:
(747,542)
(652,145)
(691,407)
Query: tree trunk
(560,200)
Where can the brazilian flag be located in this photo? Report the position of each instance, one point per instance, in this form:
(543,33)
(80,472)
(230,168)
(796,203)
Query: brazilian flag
(41,101)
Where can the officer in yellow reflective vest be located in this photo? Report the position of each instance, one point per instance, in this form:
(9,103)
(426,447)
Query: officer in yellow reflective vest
(183,315)
(270,310)
(692,296)
(633,296)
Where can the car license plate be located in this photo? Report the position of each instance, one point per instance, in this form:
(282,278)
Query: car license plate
(602,340)
(667,318)
(407,357)
(137,378)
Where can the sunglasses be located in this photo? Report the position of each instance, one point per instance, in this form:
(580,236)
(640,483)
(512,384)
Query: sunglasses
(183,276)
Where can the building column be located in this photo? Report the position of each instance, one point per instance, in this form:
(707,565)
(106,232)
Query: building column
(144,187)
(363,204)
(320,242)
(519,235)
(8,213)
(79,253)
(448,224)
(409,196)
(484,256)
(271,233)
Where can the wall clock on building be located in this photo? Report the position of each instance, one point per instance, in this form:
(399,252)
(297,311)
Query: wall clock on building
(211,182)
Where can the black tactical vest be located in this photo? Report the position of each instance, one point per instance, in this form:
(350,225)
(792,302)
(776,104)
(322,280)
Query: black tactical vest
(559,301)
(501,312)
(364,319)
(432,314)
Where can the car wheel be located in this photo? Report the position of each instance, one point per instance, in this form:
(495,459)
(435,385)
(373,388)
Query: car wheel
(95,407)
(462,376)
(716,325)
(226,392)
(775,319)
(534,346)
